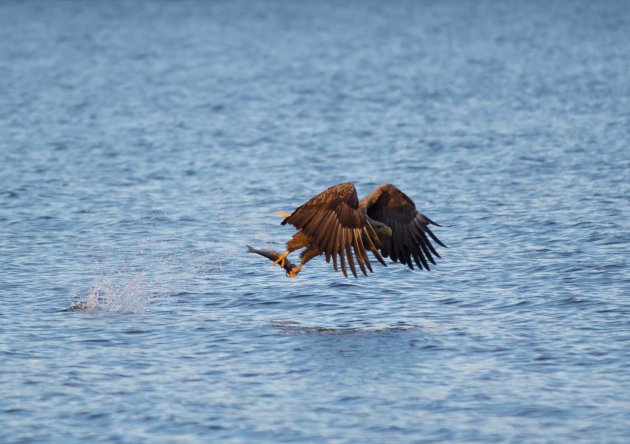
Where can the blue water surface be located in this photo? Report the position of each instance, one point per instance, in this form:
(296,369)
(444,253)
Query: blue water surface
(144,144)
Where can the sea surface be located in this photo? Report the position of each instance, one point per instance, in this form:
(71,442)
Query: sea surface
(144,144)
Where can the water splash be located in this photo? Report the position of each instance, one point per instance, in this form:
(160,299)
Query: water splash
(107,295)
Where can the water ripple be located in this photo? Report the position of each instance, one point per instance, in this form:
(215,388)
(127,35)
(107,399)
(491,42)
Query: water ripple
(144,144)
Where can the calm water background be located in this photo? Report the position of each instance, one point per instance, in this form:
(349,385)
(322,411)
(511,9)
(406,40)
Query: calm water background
(144,144)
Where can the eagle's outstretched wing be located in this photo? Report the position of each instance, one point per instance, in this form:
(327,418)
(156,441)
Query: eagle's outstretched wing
(336,226)
(410,228)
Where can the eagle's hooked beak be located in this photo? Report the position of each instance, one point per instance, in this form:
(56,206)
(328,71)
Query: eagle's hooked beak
(381,228)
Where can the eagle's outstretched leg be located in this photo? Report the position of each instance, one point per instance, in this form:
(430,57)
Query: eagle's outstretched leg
(299,240)
(306,256)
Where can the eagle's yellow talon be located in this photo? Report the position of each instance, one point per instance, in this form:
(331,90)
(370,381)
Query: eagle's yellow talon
(281,259)
(293,273)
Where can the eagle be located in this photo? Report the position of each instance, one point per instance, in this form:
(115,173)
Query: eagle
(335,223)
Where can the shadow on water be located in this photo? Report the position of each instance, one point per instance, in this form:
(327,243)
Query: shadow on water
(289,327)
